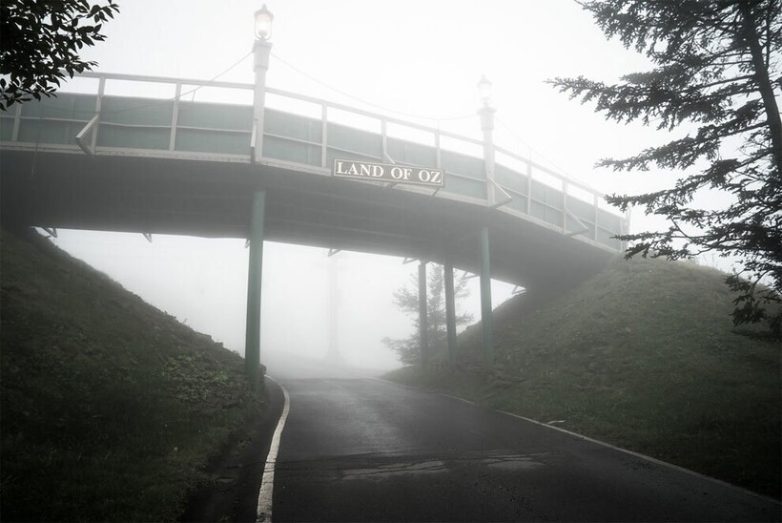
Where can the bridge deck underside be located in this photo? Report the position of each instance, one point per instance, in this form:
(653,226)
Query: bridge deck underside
(212,199)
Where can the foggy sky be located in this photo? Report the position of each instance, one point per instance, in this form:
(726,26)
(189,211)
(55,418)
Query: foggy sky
(409,57)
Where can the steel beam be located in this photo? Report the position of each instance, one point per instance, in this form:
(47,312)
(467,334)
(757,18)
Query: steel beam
(486,310)
(252,346)
(422,313)
(450,311)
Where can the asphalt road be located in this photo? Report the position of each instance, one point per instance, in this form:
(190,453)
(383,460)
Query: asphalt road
(369,450)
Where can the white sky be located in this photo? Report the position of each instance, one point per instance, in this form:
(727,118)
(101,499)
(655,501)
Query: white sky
(421,57)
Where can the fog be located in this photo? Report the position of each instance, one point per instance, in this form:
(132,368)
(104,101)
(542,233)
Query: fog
(409,59)
(203,283)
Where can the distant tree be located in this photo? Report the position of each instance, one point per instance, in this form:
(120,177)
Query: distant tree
(41,40)
(406,299)
(717,65)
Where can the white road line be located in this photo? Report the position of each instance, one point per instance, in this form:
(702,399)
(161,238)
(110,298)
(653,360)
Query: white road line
(641,456)
(263,513)
(457,398)
(614,447)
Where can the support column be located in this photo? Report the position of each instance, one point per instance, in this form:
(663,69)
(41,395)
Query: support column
(423,321)
(450,311)
(486,316)
(252,345)
(333,351)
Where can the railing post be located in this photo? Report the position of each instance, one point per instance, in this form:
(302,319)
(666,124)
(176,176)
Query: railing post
(383,141)
(564,206)
(486,113)
(98,108)
(438,150)
(450,310)
(17,123)
(529,185)
(175,117)
(422,313)
(262,50)
(486,309)
(324,136)
(252,347)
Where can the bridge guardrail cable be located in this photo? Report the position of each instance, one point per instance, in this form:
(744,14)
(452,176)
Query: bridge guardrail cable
(199,84)
(367,103)
(369,114)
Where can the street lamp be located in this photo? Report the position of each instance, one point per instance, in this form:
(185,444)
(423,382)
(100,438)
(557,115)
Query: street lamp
(263,23)
(252,345)
(262,49)
(484,91)
(486,113)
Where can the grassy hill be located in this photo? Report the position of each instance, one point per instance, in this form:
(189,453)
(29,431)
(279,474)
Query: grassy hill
(111,409)
(643,355)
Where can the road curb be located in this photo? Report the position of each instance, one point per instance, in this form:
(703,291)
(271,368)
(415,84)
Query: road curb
(263,512)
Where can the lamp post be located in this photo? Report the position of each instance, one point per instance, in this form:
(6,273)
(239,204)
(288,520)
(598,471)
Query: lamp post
(486,113)
(252,344)
(261,51)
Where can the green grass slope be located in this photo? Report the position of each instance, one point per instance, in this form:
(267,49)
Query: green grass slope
(111,409)
(643,355)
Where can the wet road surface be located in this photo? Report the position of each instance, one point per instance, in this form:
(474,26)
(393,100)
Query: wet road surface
(370,450)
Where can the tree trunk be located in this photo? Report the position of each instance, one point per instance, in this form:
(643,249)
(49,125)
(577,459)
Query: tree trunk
(764,83)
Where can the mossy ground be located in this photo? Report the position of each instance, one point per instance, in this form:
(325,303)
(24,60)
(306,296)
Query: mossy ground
(111,409)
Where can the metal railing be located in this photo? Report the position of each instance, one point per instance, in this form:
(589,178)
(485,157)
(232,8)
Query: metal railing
(518,200)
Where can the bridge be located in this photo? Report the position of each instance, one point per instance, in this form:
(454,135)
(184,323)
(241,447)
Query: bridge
(98,161)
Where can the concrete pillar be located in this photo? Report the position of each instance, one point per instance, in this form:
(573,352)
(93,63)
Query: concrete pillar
(252,346)
(486,310)
(450,311)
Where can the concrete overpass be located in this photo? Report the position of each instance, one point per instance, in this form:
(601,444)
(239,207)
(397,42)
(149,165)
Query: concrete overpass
(97,161)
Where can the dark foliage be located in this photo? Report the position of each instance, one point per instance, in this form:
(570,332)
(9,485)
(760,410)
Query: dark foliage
(717,65)
(40,43)
(406,299)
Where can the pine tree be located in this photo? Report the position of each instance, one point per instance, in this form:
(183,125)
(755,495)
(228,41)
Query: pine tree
(717,65)
(406,299)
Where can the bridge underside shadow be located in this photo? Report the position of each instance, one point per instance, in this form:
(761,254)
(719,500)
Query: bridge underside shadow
(213,199)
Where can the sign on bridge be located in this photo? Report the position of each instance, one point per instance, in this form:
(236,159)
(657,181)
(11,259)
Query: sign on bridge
(383,172)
